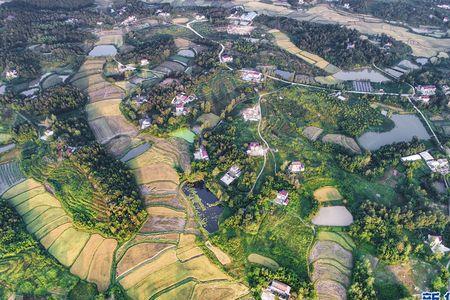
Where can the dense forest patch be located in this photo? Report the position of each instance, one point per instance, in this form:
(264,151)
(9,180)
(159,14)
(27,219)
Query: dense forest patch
(337,44)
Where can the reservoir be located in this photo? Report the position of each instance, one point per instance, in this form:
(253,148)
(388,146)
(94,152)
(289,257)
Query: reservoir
(406,127)
(103,50)
(208,208)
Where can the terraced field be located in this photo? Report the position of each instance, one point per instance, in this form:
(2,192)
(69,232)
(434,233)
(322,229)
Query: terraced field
(332,261)
(89,256)
(10,175)
(163,260)
(107,122)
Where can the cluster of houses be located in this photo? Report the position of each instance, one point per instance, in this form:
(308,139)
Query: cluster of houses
(276,290)
(241,24)
(180,102)
(231,175)
(436,165)
(251,76)
(426,91)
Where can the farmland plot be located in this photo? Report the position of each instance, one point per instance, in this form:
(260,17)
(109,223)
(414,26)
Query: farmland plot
(10,175)
(89,256)
(332,260)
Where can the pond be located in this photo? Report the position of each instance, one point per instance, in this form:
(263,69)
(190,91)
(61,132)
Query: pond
(406,127)
(363,74)
(103,50)
(208,210)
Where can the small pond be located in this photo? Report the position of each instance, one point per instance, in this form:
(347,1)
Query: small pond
(363,74)
(209,210)
(406,127)
(103,50)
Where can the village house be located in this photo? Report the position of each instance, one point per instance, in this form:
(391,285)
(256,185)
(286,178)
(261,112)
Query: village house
(435,242)
(439,166)
(11,74)
(251,75)
(140,100)
(446,89)
(425,99)
(428,90)
(180,101)
(282,198)
(144,62)
(296,167)
(255,149)
(227,58)
(47,134)
(233,173)
(252,113)
(145,123)
(201,154)
(200,17)
(128,21)
(276,290)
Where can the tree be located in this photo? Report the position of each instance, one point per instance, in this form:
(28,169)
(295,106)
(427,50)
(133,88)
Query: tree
(362,287)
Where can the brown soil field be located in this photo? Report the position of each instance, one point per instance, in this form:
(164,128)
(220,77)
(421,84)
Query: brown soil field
(333,216)
(21,188)
(342,140)
(119,145)
(183,291)
(328,288)
(103,108)
(199,268)
(327,193)
(331,250)
(164,259)
(49,238)
(223,258)
(81,265)
(188,254)
(152,156)
(171,201)
(156,172)
(182,43)
(67,247)
(137,254)
(312,133)
(328,272)
(100,269)
(162,187)
(163,224)
(219,290)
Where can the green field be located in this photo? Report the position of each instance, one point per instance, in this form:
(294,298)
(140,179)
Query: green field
(220,90)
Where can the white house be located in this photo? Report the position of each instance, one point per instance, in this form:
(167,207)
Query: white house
(255,149)
(276,290)
(252,113)
(282,198)
(411,158)
(145,123)
(47,134)
(227,58)
(296,167)
(435,242)
(144,62)
(233,173)
(439,166)
(428,90)
(201,154)
(251,75)
(11,74)
(425,99)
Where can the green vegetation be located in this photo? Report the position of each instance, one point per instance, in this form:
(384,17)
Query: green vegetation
(362,287)
(98,191)
(331,41)
(24,267)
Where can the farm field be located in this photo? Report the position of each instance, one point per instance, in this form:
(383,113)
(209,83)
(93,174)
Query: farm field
(10,175)
(88,256)
(333,216)
(104,116)
(331,259)
(166,243)
(327,193)
(264,261)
